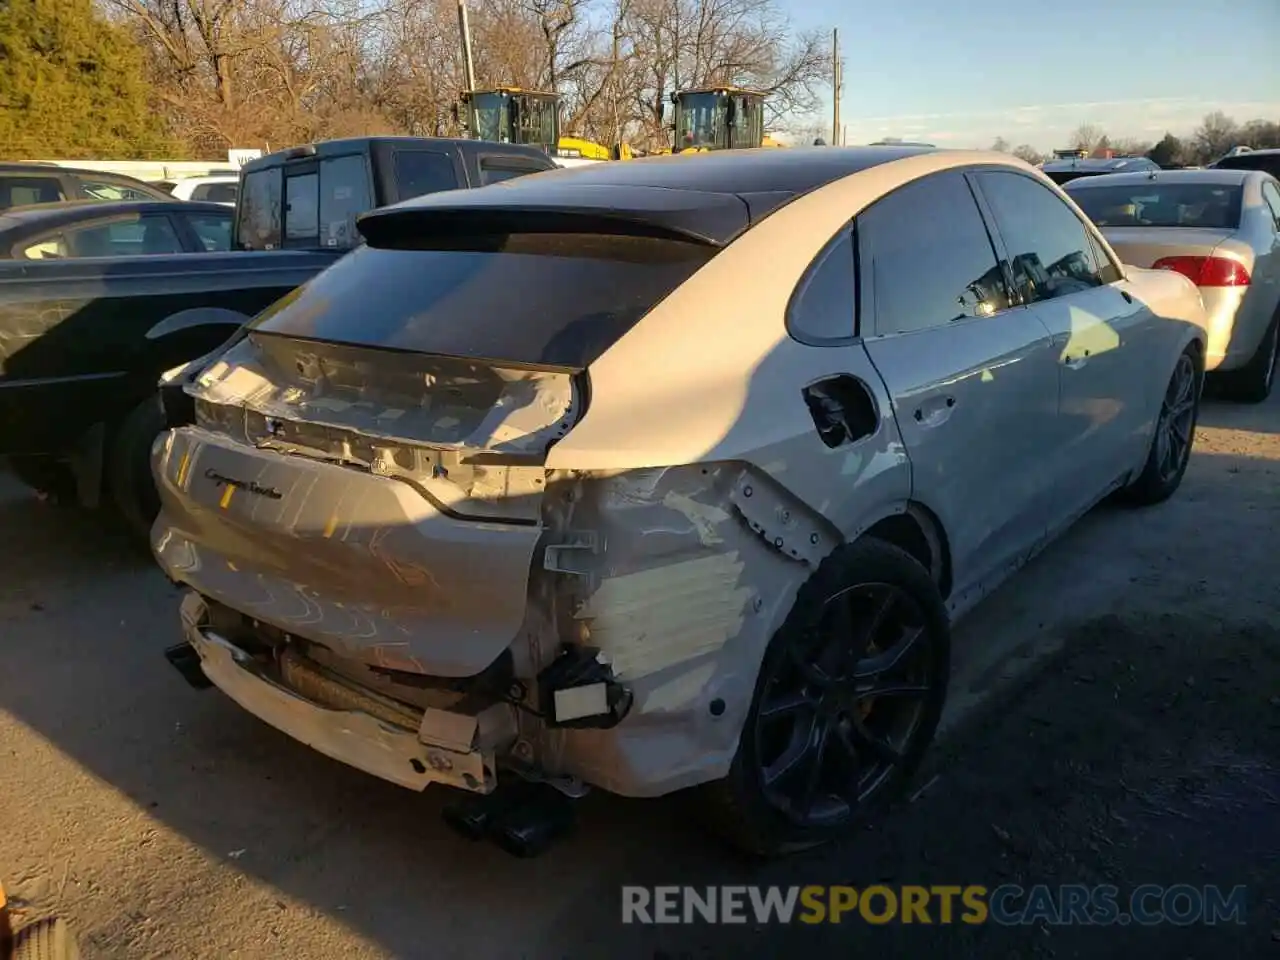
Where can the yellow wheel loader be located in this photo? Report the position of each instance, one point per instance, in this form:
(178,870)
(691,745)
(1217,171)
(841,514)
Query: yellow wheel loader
(515,115)
(718,118)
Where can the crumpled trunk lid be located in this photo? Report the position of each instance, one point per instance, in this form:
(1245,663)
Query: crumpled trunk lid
(383,504)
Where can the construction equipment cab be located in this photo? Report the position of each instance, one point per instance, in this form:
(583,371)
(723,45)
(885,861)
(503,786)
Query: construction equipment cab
(513,115)
(717,118)
(532,118)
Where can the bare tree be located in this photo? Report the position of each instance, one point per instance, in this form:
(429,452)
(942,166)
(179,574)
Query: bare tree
(1087,136)
(1028,153)
(1001,145)
(1216,135)
(1130,147)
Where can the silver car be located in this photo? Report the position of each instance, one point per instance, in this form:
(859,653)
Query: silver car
(663,474)
(1221,228)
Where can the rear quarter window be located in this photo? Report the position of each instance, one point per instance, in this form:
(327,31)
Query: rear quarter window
(533,299)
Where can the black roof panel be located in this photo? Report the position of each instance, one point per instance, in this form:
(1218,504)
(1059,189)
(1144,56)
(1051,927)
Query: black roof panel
(348,145)
(766,169)
(709,197)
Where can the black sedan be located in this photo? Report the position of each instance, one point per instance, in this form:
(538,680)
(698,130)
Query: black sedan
(89,228)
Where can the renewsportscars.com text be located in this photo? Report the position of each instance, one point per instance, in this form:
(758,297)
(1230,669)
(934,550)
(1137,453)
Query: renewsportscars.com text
(1005,905)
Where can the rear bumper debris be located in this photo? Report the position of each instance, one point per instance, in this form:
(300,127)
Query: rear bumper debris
(369,733)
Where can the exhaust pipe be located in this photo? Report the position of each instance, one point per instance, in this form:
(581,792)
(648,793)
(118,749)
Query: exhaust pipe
(524,819)
(186,661)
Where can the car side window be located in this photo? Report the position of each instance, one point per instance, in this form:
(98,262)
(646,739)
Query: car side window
(214,233)
(930,260)
(109,190)
(45,248)
(423,171)
(344,195)
(1108,272)
(135,236)
(302,206)
(824,304)
(1049,248)
(1271,194)
(21,191)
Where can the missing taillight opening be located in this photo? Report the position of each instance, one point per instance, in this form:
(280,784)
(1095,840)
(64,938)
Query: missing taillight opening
(1207,271)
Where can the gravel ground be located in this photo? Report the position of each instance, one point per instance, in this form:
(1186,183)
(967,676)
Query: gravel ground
(1115,717)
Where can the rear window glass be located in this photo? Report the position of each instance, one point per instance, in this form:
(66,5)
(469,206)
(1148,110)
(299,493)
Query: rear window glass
(1213,205)
(552,300)
(216,192)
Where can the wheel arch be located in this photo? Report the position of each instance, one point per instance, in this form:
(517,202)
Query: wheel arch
(916,529)
(188,335)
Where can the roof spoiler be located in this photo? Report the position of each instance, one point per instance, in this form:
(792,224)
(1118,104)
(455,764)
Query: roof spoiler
(710,219)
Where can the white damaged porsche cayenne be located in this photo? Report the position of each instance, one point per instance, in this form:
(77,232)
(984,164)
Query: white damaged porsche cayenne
(662,474)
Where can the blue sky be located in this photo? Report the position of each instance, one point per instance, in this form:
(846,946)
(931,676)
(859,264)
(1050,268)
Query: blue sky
(963,72)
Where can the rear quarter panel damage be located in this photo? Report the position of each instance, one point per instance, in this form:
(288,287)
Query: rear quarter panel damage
(694,578)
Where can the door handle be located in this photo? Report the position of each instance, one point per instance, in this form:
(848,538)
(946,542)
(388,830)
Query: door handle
(1128,297)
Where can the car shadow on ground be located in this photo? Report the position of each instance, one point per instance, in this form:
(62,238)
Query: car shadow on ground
(1145,750)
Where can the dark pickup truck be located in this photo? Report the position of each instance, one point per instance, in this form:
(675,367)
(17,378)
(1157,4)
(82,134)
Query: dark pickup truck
(84,342)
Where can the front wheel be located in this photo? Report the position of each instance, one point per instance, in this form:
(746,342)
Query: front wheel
(849,695)
(1174,435)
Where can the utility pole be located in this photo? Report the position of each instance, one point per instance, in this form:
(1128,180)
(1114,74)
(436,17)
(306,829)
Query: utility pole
(835,86)
(464,28)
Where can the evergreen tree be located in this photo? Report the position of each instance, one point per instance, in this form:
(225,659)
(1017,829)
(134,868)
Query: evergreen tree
(72,86)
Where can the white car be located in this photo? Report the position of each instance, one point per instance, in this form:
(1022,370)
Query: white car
(215,189)
(1220,228)
(662,474)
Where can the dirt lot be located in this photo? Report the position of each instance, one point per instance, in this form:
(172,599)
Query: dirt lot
(1115,717)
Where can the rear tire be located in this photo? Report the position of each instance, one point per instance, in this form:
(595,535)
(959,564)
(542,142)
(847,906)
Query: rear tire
(1252,383)
(47,940)
(1175,425)
(129,479)
(858,754)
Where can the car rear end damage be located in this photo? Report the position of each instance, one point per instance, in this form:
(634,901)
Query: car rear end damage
(382,565)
